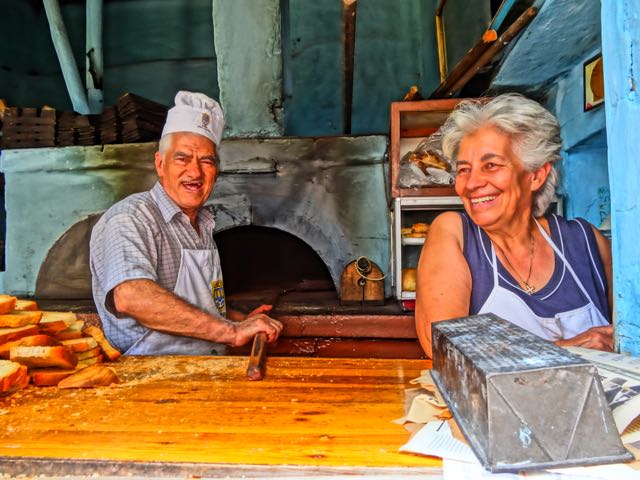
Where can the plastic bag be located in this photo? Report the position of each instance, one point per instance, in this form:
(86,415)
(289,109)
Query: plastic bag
(425,166)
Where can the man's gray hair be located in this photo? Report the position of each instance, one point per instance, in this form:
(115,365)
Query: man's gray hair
(533,130)
(165,143)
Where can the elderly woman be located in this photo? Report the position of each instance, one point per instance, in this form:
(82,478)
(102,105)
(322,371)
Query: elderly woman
(504,254)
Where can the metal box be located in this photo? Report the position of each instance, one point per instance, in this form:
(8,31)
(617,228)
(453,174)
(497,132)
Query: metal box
(522,402)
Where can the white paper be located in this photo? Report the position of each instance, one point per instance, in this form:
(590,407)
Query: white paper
(623,365)
(436,439)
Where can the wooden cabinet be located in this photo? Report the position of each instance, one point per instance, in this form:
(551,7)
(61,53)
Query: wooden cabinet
(410,123)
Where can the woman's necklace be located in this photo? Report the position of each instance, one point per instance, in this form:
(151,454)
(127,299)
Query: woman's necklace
(529,288)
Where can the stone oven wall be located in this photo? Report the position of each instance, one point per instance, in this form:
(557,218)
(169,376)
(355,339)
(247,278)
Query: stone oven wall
(329,192)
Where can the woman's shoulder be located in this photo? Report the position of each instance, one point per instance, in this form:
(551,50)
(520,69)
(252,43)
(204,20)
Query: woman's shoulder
(449,221)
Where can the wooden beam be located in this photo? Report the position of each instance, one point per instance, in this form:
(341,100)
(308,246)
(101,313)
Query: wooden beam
(442,42)
(352,326)
(349,9)
(465,63)
(495,48)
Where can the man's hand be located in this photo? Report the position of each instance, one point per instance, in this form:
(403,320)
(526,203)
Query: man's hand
(255,323)
(597,338)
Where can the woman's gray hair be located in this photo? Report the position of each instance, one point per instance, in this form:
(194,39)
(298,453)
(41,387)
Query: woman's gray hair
(533,130)
(165,143)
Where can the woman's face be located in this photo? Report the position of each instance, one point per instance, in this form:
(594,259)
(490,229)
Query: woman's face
(492,181)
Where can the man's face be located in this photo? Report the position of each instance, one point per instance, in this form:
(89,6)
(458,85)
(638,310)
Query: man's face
(188,170)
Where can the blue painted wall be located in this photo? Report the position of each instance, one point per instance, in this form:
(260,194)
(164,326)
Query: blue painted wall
(584,169)
(621,50)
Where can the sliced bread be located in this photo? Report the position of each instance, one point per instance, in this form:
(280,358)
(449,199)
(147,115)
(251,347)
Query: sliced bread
(9,373)
(111,352)
(49,377)
(94,376)
(57,356)
(30,341)
(9,334)
(94,352)
(20,318)
(26,305)
(90,361)
(80,344)
(7,303)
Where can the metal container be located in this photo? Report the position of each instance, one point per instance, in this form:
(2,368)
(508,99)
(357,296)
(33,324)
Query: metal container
(522,402)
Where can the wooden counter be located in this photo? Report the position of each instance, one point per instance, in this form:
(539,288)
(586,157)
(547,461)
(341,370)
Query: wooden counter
(200,416)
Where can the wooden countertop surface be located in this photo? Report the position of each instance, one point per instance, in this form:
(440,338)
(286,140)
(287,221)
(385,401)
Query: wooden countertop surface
(201,416)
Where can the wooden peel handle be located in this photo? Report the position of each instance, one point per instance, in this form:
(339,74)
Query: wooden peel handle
(255,369)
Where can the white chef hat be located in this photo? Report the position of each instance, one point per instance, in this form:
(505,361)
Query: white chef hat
(196,113)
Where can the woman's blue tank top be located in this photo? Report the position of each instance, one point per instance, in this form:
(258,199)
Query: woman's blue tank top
(577,242)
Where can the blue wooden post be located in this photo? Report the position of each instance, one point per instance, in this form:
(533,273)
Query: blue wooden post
(65,56)
(93,52)
(621,51)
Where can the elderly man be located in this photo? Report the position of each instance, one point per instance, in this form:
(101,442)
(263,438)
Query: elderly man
(155,268)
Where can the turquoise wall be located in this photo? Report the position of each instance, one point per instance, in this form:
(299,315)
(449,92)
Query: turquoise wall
(464,23)
(151,47)
(395,49)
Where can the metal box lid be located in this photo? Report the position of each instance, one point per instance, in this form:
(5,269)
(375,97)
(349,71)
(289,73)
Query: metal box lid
(523,403)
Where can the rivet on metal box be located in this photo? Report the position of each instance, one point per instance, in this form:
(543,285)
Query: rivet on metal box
(522,402)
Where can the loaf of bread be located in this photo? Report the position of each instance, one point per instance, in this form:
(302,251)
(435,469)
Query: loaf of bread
(420,227)
(20,318)
(409,279)
(38,357)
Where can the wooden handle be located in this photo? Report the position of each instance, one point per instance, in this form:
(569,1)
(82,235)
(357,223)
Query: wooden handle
(255,369)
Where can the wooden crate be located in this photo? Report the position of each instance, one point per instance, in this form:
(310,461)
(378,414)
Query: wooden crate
(410,123)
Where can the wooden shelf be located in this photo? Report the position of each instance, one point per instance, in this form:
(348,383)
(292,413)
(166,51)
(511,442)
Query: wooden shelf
(413,241)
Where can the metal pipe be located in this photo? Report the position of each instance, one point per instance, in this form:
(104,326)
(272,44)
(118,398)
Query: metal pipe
(94,55)
(65,57)
(501,14)
(509,34)
(349,8)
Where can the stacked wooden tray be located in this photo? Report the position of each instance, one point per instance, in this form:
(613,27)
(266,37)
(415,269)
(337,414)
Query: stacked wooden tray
(134,119)
(29,127)
(142,119)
